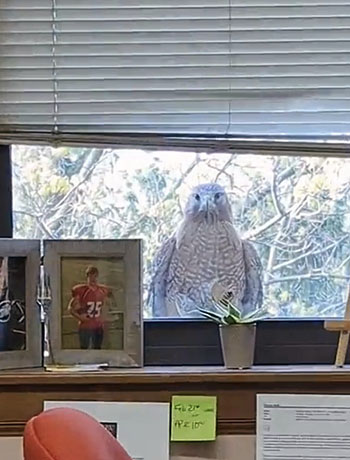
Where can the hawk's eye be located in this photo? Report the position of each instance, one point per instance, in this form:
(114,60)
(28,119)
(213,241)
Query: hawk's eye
(217,196)
(197,197)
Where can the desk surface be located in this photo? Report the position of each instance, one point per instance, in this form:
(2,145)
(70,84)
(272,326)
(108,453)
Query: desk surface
(23,392)
(183,375)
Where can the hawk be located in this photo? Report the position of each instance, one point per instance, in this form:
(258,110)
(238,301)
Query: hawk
(205,250)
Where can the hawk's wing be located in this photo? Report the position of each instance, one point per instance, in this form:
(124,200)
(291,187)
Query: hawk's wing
(157,289)
(253,294)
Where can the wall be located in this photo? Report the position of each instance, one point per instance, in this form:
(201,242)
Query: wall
(225,448)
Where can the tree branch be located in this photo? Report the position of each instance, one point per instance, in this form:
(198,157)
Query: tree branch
(311,275)
(270,223)
(311,252)
(147,214)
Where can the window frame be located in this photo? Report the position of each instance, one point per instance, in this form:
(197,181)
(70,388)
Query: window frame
(6,221)
(279,342)
(191,342)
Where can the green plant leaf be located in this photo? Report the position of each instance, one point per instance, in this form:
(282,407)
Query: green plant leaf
(248,321)
(222,310)
(229,309)
(230,320)
(212,316)
(235,312)
(224,322)
(255,316)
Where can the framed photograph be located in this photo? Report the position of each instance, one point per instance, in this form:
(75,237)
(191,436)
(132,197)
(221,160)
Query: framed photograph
(20,326)
(96,311)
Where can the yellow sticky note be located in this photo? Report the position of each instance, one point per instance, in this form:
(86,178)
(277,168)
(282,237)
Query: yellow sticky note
(193,418)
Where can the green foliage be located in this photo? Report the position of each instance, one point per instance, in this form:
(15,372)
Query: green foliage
(227,314)
(296,210)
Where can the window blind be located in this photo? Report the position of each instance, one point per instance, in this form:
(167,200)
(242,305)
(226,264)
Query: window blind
(154,71)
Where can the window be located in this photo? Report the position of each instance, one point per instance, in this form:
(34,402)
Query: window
(231,76)
(295,210)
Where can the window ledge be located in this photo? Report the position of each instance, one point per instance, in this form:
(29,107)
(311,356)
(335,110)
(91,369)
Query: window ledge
(180,375)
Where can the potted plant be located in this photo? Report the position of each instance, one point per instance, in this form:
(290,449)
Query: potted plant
(237,332)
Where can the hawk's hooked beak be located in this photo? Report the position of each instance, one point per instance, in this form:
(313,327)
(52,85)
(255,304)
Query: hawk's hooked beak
(207,205)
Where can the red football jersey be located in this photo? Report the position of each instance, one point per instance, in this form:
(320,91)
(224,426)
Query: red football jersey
(91,300)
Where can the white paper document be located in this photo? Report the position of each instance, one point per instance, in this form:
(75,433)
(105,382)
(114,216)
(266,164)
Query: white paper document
(303,427)
(141,428)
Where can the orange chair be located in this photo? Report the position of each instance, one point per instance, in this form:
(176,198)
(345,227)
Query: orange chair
(68,434)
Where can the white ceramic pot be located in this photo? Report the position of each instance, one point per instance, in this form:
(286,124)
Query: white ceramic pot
(238,345)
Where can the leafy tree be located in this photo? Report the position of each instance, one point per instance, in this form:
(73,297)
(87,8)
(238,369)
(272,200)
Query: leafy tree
(295,209)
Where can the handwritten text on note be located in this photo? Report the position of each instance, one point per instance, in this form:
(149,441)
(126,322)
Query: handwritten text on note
(193,418)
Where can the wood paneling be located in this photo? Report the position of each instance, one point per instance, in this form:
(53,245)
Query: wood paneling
(22,394)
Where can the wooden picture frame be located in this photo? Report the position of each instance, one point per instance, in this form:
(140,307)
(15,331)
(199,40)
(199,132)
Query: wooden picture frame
(121,261)
(20,325)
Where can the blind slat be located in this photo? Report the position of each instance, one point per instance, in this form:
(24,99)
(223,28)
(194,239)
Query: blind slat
(33,24)
(180,37)
(214,12)
(322,107)
(327,60)
(33,4)
(189,119)
(309,98)
(153,72)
